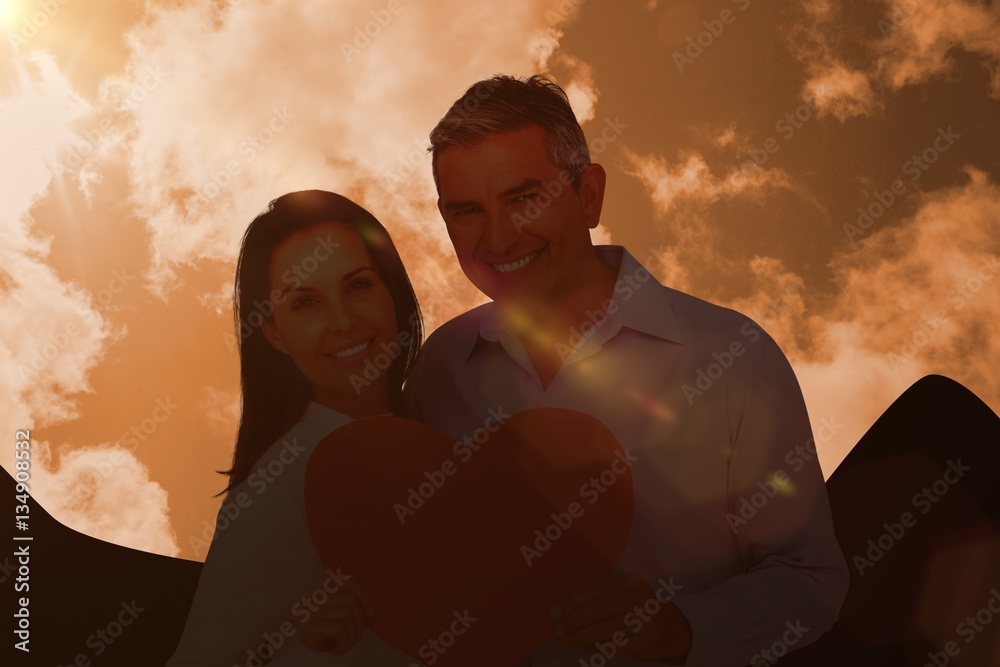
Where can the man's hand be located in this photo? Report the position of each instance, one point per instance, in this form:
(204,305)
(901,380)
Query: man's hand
(339,623)
(623,610)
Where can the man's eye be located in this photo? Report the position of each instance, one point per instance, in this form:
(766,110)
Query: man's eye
(527,196)
(462,212)
(303,303)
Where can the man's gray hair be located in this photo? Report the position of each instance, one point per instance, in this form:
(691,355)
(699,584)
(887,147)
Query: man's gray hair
(504,104)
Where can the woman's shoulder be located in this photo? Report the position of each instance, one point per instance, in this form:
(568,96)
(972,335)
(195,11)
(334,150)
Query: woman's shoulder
(283,464)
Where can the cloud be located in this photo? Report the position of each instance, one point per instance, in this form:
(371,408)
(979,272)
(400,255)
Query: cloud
(920,35)
(211,126)
(341,99)
(918,298)
(726,137)
(690,182)
(42,373)
(918,39)
(831,87)
(839,91)
(684,194)
(106,492)
(926,293)
(912,299)
(39,371)
(221,301)
(777,302)
(581,91)
(222,409)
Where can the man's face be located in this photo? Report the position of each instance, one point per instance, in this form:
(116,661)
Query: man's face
(519,228)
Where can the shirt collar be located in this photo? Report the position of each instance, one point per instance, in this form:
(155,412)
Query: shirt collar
(643,304)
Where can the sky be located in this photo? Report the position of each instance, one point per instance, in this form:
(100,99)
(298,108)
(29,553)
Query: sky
(829,169)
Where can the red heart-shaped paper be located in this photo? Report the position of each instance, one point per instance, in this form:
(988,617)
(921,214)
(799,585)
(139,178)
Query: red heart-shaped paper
(439,533)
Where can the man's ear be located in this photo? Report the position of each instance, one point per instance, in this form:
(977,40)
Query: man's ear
(273,336)
(591,193)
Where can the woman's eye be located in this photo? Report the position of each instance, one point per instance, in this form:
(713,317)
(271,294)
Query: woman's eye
(303,303)
(359,284)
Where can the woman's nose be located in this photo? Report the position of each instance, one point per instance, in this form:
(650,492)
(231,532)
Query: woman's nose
(340,316)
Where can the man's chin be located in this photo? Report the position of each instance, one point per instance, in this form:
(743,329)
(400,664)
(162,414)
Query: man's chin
(497,291)
(508,292)
(515,296)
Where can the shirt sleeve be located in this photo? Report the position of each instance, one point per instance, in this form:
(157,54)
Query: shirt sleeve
(794,577)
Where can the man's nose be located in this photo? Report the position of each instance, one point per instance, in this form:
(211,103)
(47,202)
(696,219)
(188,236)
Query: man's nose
(502,232)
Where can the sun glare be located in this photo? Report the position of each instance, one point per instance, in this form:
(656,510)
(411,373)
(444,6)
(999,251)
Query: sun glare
(37,125)
(7,12)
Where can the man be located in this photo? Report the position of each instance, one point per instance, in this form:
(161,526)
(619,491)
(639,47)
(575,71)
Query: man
(730,506)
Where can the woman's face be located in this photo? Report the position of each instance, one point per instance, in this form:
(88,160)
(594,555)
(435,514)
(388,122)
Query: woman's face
(333,316)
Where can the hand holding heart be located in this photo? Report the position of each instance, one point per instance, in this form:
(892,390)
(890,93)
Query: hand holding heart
(468,574)
(339,623)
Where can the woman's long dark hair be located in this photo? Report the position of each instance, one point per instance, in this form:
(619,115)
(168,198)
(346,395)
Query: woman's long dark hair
(274,392)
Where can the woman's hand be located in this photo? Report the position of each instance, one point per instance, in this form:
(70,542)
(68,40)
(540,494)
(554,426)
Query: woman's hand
(338,625)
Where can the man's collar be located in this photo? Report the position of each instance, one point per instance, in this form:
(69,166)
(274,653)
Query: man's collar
(643,303)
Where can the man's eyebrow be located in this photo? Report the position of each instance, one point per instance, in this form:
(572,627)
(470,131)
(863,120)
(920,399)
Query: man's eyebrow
(456,205)
(524,186)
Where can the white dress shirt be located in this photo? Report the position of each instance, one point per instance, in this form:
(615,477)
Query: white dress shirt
(710,407)
(262,563)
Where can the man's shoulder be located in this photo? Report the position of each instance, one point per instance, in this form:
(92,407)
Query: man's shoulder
(703,320)
(441,353)
(696,317)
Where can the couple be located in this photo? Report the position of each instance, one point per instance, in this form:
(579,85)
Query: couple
(519,195)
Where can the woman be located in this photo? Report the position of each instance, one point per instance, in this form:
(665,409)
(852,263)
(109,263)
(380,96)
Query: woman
(320,290)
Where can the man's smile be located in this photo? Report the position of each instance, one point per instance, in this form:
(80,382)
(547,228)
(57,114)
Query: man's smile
(517,264)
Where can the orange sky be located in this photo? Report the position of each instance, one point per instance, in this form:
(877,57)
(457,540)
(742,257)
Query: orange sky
(740,137)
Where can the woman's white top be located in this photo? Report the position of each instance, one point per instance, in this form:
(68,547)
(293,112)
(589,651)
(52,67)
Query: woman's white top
(262,572)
